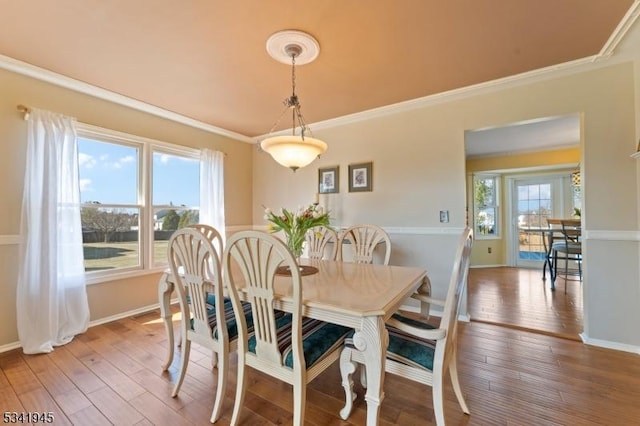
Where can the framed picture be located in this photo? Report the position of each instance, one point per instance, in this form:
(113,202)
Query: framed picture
(328,180)
(361,177)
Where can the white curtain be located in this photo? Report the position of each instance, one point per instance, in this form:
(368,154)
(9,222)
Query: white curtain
(52,302)
(212,189)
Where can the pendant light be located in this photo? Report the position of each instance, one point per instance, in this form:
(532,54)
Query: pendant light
(301,148)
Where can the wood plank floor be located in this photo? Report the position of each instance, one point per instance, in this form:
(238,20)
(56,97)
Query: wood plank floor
(112,375)
(519,298)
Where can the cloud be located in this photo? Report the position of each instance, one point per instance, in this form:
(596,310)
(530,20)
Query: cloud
(86,160)
(164,158)
(85,185)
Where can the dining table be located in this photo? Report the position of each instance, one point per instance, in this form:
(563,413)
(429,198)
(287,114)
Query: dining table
(357,295)
(549,234)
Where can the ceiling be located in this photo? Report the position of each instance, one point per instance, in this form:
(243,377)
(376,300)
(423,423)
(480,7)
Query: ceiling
(206,60)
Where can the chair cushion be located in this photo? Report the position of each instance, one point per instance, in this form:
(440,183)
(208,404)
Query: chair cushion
(408,349)
(319,339)
(232,326)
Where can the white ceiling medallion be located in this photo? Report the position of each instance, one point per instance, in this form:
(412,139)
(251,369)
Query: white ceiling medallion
(280,43)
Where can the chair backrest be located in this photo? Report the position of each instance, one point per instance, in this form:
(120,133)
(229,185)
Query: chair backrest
(257,256)
(363,240)
(211,234)
(572,231)
(322,243)
(457,286)
(214,238)
(195,266)
(555,225)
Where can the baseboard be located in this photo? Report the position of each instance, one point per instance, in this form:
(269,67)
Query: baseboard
(607,344)
(16,345)
(487,266)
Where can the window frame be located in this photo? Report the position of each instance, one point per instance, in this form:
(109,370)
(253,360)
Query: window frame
(495,206)
(146,148)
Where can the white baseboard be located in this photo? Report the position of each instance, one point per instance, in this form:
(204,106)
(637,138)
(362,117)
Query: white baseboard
(16,345)
(609,345)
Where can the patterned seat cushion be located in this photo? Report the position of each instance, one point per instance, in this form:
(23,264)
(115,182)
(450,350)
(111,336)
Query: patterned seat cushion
(229,315)
(408,349)
(318,339)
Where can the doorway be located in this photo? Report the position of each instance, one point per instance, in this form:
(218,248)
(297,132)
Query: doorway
(532,163)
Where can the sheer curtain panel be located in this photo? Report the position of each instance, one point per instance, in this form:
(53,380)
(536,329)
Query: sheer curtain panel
(52,304)
(212,190)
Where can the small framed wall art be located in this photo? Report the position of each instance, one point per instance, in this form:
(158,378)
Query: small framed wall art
(329,180)
(361,177)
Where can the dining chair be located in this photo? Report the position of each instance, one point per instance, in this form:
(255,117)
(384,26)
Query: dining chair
(322,243)
(570,251)
(216,240)
(288,346)
(418,350)
(196,270)
(363,240)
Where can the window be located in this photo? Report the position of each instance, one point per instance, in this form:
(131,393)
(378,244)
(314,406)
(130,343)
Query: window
(176,197)
(121,174)
(485,196)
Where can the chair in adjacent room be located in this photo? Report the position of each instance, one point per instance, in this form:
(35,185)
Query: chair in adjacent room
(196,271)
(569,250)
(322,243)
(286,346)
(418,350)
(363,240)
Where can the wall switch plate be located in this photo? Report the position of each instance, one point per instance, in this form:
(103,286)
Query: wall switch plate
(444,216)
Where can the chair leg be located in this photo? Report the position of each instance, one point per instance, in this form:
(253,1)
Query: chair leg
(240,388)
(438,404)
(299,398)
(453,372)
(184,361)
(347,368)
(223,371)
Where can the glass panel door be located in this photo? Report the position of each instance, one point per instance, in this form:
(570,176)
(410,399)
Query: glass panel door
(534,203)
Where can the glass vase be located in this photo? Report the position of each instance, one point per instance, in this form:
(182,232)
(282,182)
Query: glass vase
(295,242)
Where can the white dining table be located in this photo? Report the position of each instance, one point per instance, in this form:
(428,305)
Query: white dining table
(360,296)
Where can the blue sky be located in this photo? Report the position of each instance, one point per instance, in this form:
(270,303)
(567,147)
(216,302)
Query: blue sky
(109,175)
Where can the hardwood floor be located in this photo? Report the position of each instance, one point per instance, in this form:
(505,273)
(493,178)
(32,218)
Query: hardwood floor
(519,298)
(112,375)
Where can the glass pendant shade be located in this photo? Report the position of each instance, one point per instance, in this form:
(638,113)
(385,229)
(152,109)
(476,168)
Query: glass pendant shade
(292,151)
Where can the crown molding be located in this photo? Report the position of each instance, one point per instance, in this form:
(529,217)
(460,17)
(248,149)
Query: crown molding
(42,74)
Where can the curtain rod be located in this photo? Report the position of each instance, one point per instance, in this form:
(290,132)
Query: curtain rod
(24,110)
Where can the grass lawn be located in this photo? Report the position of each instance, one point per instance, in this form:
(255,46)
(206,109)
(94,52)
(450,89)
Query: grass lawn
(100,256)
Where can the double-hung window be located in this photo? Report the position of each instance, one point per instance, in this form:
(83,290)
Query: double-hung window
(486,206)
(120,176)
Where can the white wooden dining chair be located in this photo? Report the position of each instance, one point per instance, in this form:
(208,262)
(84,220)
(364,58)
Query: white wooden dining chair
(286,346)
(363,241)
(322,243)
(418,350)
(195,267)
(216,240)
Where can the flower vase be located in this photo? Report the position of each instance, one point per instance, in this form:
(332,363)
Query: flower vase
(295,242)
